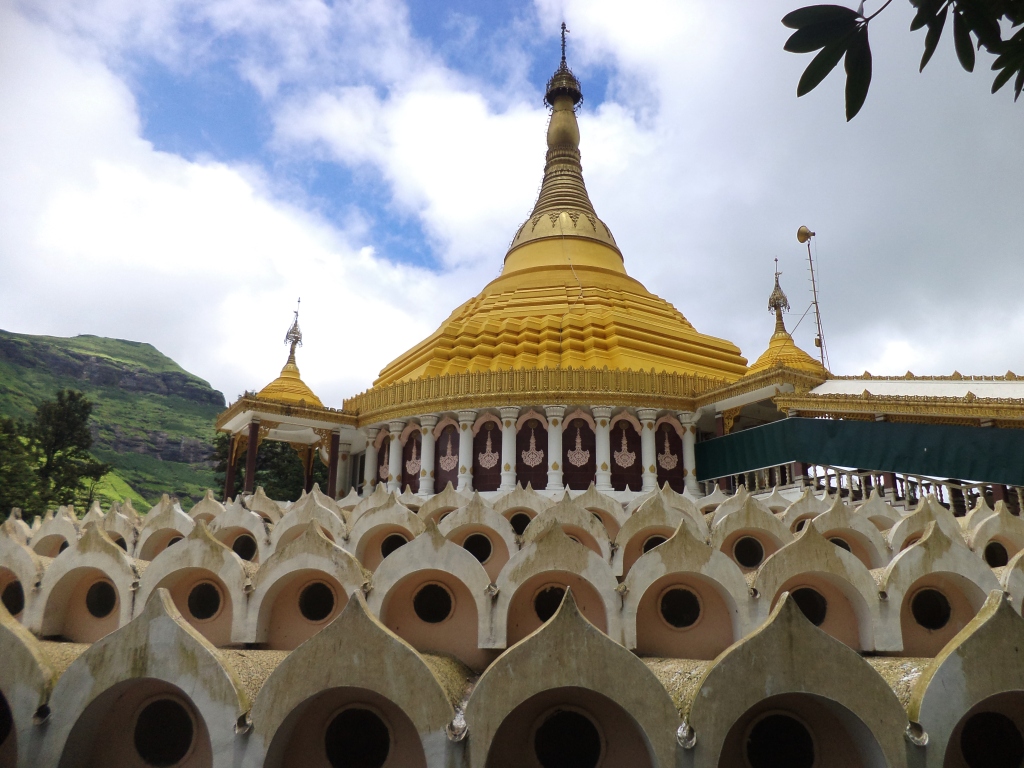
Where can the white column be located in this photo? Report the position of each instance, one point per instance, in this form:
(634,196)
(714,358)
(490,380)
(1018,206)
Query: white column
(427,424)
(466,419)
(555,414)
(370,468)
(395,456)
(688,420)
(344,470)
(509,414)
(602,420)
(647,447)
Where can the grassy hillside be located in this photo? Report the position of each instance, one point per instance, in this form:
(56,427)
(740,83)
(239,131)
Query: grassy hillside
(152,420)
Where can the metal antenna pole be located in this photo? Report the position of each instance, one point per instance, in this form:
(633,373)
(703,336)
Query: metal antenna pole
(804,235)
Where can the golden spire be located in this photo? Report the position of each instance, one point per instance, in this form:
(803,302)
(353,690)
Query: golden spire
(782,350)
(294,337)
(778,302)
(289,386)
(563,206)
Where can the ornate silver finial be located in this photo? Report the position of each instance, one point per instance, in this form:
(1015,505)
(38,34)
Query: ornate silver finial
(294,335)
(564,30)
(777,302)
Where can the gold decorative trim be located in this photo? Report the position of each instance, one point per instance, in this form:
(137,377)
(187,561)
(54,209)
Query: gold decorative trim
(249,402)
(801,381)
(969,409)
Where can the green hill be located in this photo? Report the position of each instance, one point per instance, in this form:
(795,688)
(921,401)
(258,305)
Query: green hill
(152,420)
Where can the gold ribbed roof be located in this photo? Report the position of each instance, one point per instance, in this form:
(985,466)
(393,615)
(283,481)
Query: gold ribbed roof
(289,388)
(564,298)
(782,350)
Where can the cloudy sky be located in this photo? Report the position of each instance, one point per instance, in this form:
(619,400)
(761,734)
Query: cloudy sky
(180,171)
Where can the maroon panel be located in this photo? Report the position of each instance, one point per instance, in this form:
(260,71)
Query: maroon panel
(383,453)
(446,459)
(668,449)
(411,466)
(579,455)
(487,457)
(532,455)
(627,458)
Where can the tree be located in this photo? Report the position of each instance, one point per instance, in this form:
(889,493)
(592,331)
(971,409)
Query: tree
(61,435)
(278,469)
(842,33)
(19,484)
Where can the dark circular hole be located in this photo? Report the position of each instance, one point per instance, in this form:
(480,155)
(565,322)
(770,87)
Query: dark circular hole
(567,739)
(812,603)
(519,522)
(6,721)
(991,740)
(996,555)
(101,599)
(780,741)
(432,603)
(174,541)
(547,601)
(163,733)
(63,546)
(680,607)
(204,600)
(652,542)
(316,601)
(479,546)
(931,609)
(800,525)
(841,543)
(119,540)
(244,546)
(357,738)
(391,543)
(748,552)
(13,598)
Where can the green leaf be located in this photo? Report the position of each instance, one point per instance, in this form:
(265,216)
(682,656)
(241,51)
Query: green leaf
(962,41)
(820,66)
(1002,79)
(858,73)
(817,36)
(817,14)
(932,38)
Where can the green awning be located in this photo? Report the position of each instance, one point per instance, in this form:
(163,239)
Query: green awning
(988,455)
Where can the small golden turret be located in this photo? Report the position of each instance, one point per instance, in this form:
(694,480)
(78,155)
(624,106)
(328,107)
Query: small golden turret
(782,350)
(289,387)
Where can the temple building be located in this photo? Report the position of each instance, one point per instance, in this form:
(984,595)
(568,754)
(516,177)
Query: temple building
(566,530)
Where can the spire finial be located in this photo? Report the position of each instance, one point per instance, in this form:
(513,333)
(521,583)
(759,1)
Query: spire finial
(564,30)
(778,302)
(294,335)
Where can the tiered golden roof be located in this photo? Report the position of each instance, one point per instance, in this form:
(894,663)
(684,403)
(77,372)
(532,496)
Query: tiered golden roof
(564,298)
(289,388)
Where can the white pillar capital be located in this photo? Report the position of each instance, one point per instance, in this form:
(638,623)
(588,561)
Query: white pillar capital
(466,419)
(509,415)
(428,421)
(602,432)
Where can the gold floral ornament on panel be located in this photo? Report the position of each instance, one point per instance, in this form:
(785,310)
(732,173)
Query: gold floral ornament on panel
(624,457)
(578,457)
(449,460)
(412,466)
(532,457)
(667,460)
(489,458)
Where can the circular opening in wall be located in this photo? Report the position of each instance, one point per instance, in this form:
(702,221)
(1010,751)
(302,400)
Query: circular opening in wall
(547,600)
(679,607)
(799,525)
(174,541)
(479,546)
(567,739)
(931,609)
(652,542)
(204,601)
(433,603)
(101,599)
(119,540)
(780,740)
(63,546)
(991,740)
(841,543)
(597,517)
(163,733)
(316,601)
(6,721)
(519,522)
(13,598)
(748,552)
(996,555)
(391,543)
(910,542)
(812,603)
(357,738)
(244,546)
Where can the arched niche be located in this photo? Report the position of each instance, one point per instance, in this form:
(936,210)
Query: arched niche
(382,471)
(532,454)
(204,601)
(537,599)
(685,615)
(446,457)
(579,454)
(298,605)
(8,735)
(84,605)
(487,456)
(990,734)
(627,463)
(139,722)
(569,726)
(935,608)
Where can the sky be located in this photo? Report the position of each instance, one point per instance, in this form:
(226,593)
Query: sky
(180,172)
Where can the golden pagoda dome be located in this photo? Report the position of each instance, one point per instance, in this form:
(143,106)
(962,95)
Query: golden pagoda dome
(289,388)
(782,351)
(564,298)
